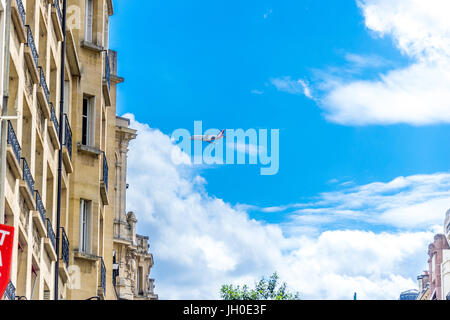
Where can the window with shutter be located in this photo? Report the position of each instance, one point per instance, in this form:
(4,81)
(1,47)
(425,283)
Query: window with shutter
(89,19)
(87,121)
(85,221)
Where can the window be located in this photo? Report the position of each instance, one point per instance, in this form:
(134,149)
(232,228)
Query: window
(139,281)
(87,121)
(34,278)
(89,20)
(85,225)
(66,97)
(106,25)
(433,267)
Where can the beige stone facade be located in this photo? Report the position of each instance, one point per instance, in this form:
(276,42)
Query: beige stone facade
(132,260)
(434,284)
(93,168)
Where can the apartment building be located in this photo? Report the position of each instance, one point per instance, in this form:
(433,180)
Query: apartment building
(132,261)
(67,159)
(434,284)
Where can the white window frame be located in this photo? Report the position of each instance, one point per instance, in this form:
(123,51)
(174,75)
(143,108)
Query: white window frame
(85,225)
(66,97)
(89,21)
(106,26)
(90,123)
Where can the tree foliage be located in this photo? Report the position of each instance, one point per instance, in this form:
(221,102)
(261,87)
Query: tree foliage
(265,289)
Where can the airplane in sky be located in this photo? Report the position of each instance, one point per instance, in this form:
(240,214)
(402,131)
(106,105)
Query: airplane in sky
(209,138)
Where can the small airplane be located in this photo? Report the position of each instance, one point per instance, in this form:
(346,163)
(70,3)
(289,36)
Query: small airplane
(209,138)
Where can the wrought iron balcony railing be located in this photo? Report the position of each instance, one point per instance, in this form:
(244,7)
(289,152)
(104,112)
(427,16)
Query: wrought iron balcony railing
(107,70)
(67,135)
(54,119)
(27,176)
(32,46)
(51,234)
(58,10)
(44,86)
(21,10)
(10,291)
(13,142)
(65,248)
(40,207)
(103,276)
(105,171)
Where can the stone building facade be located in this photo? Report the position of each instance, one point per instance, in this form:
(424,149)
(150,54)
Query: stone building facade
(132,260)
(434,284)
(79,255)
(436,257)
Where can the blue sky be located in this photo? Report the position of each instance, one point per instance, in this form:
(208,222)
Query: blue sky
(362,123)
(201,60)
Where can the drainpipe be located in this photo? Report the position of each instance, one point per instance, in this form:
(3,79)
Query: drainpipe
(60,156)
(4,110)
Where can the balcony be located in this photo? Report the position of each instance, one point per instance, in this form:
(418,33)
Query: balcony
(51,234)
(13,150)
(53,127)
(27,185)
(57,19)
(50,241)
(102,292)
(40,216)
(107,81)
(104,181)
(31,56)
(103,276)
(65,249)
(43,93)
(10,291)
(67,145)
(18,17)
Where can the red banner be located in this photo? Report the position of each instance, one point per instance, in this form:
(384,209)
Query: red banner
(6,250)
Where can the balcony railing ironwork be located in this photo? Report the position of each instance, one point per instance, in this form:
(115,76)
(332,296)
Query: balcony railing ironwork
(105,171)
(67,135)
(10,291)
(21,10)
(32,45)
(44,86)
(103,276)
(54,118)
(58,10)
(14,142)
(65,248)
(27,176)
(51,233)
(40,207)
(107,70)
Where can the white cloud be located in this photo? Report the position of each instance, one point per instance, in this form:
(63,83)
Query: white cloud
(247,148)
(417,94)
(201,242)
(257,92)
(421,29)
(340,263)
(406,203)
(286,84)
(365,61)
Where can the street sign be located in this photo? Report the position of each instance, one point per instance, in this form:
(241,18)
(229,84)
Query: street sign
(6,249)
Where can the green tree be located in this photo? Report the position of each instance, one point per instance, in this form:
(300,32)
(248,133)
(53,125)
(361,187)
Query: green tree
(265,289)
